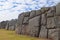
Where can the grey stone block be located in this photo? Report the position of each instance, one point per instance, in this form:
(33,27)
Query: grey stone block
(12,24)
(51,22)
(38,12)
(25,21)
(12,28)
(43,32)
(57,21)
(18,30)
(58,9)
(44,9)
(32,14)
(26,14)
(34,26)
(51,12)
(7,26)
(20,19)
(24,29)
(43,19)
(3,24)
(54,34)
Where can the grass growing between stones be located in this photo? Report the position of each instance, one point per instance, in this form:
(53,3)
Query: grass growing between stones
(10,35)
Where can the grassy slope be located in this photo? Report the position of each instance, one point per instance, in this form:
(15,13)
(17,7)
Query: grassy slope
(10,35)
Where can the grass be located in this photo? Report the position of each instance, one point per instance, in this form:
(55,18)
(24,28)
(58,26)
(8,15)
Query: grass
(10,35)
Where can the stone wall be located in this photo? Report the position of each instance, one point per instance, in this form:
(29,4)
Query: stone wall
(3,24)
(43,23)
(22,23)
(11,25)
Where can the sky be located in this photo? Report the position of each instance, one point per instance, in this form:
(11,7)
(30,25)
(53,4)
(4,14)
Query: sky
(10,9)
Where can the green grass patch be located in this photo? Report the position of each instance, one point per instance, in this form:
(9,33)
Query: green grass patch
(10,35)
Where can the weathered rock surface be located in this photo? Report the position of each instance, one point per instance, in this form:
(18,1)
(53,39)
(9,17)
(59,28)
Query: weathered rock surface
(38,12)
(51,22)
(57,21)
(32,14)
(58,10)
(34,25)
(25,21)
(43,19)
(54,33)
(22,22)
(43,32)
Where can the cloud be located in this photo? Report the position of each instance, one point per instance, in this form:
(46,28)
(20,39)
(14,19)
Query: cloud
(10,9)
(31,4)
(3,0)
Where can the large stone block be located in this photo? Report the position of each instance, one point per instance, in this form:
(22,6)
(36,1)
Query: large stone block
(26,14)
(51,22)
(11,24)
(11,27)
(44,9)
(18,30)
(34,25)
(57,21)
(7,26)
(43,32)
(54,34)
(43,19)
(3,24)
(51,12)
(25,21)
(20,19)
(32,14)
(38,12)
(24,29)
(58,9)
(53,8)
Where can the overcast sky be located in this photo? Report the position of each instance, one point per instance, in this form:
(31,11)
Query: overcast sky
(10,9)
